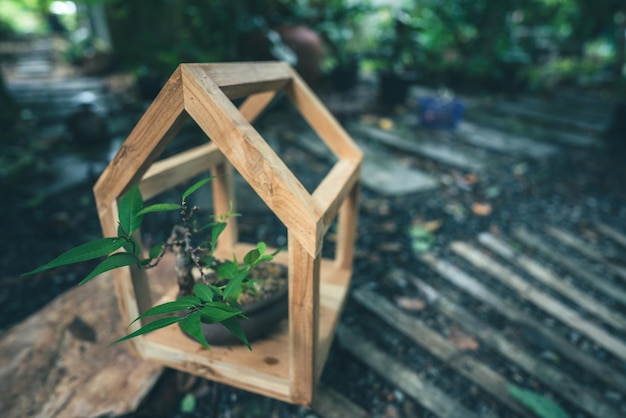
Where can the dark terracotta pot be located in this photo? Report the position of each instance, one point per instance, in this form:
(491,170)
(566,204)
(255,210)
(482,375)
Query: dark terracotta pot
(263,317)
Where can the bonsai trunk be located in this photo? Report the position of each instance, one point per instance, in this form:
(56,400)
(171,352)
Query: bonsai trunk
(184,263)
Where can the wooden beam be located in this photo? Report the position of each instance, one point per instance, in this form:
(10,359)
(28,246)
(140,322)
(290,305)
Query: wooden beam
(514,312)
(540,299)
(427,395)
(304,305)
(237,80)
(572,265)
(547,277)
(462,362)
(172,171)
(582,396)
(321,120)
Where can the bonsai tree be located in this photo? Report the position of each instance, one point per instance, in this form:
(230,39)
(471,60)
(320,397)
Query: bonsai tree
(211,299)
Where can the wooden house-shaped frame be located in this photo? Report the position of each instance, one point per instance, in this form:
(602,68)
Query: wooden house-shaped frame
(288,364)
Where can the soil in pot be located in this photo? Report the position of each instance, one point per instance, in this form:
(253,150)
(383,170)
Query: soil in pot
(264,310)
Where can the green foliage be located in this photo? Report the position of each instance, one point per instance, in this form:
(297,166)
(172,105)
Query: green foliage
(539,404)
(188,404)
(210,303)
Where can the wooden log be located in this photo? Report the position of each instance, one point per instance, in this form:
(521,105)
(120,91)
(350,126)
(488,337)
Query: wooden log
(58,362)
(500,247)
(434,151)
(462,362)
(541,300)
(610,232)
(571,265)
(506,143)
(421,391)
(585,249)
(514,312)
(583,397)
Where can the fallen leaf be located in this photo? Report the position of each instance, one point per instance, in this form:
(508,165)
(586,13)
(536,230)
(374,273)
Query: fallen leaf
(410,304)
(421,239)
(389,247)
(471,178)
(385,124)
(462,341)
(481,209)
(432,226)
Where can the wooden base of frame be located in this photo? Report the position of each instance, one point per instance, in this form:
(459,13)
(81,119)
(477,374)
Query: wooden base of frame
(264,370)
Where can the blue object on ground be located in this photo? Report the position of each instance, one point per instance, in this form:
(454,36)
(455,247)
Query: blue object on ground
(440,113)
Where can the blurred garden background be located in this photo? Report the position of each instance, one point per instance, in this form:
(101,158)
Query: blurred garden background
(499,122)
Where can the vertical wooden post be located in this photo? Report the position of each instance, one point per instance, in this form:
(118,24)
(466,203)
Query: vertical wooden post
(346,229)
(304,286)
(223,201)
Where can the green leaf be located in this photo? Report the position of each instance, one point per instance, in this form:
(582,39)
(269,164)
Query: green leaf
(132,246)
(543,407)
(190,299)
(421,239)
(212,313)
(234,326)
(175,306)
(159,207)
(84,252)
(251,257)
(152,326)
(227,270)
(192,325)
(203,291)
(156,250)
(217,230)
(235,283)
(196,186)
(188,404)
(129,207)
(261,246)
(112,262)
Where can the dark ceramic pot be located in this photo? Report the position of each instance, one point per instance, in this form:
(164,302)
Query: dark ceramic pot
(263,317)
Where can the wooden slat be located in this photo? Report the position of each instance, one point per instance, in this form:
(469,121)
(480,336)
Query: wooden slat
(429,149)
(255,104)
(540,299)
(332,404)
(172,171)
(253,158)
(585,249)
(547,277)
(264,370)
(514,312)
(347,229)
(574,267)
(612,233)
(334,188)
(143,146)
(438,346)
(583,397)
(304,299)
(321,120)
(421,391)
(504,142)
(237,80)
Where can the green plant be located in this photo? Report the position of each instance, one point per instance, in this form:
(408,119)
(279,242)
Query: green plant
(213,299)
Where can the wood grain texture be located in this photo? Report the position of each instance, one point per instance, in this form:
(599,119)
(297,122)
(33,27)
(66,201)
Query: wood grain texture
(321,120)
(304,293)
(243,79)
(58,362)
(253,158)
(287,365)
(172,171)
